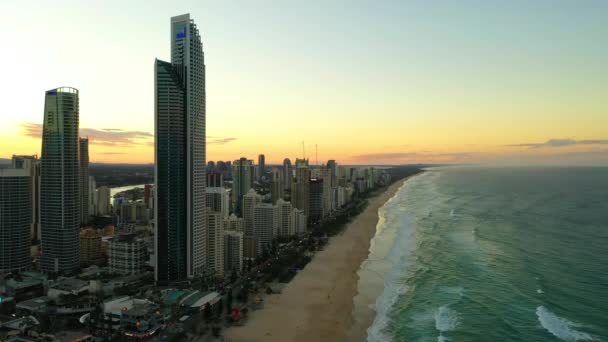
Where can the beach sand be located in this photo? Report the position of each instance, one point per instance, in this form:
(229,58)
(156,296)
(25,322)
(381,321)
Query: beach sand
(317,304)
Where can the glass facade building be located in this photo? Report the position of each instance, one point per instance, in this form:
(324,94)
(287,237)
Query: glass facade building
(180,230)
(60,183)
(15,219)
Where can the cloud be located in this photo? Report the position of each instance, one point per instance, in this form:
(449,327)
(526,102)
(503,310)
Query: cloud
(32,130)
(219,141)
(397,157)
(562,143)
(112,153)
(104,136)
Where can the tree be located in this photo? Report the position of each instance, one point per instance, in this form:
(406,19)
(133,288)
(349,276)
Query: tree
(220,308)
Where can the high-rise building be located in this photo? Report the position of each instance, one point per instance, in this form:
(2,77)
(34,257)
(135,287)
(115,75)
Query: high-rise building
(218,200)
(215,242)
(60,183)
(32,165)
(261,167)
(276,185)
(83,159)
(90,246)
(179,106)
(233,251)
(331,164)
(287,175)
(127,254)
(215,179)
(242,181)
(299,221)
(92,196)
(264,226)
(327,177)
(234,223)
(285,219)
(316,201)
(15,219)
(250,200)
(300,195)
(103,200)
(148,195)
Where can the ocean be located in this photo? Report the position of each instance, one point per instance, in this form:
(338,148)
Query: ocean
(493,254)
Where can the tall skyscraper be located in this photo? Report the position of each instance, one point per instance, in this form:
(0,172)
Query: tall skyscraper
(285,219)
(276,185)
(287,175)
(60,183)
(316,201)
(242,182)
(180,233)
(215,242)
(103,201)
(233,251)
(261,166)
(327,177)
(331,164)
(264,226)
(250,200)
(15,219)
(301,190)
(218,200)
(32,165)
(83,152)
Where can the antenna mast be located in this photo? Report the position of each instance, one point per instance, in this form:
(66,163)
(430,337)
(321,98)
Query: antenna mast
(317,155)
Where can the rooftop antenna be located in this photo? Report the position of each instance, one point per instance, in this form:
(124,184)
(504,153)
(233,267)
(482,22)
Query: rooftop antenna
(316,155)
(303,151)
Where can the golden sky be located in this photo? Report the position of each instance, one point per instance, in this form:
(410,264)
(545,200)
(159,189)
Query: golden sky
(368,83)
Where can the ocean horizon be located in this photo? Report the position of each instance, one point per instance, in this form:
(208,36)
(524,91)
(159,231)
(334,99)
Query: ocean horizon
(492,254)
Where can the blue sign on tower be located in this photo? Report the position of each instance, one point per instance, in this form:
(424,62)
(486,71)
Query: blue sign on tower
(181,34)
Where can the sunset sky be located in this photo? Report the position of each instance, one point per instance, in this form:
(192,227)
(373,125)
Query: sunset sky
(369,82)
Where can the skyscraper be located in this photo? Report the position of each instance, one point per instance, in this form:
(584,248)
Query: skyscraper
(215,242)
(316,201)
(301,190)
(331,164)
(218,199)
(60,183)
(83,152)
(179,106)
(276,185)
(264,226)
(285,219)
(287,176)
(15,219)
(242,181)
(261,166)
(32,165)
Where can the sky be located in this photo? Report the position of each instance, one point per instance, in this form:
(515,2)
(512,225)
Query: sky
(367,82)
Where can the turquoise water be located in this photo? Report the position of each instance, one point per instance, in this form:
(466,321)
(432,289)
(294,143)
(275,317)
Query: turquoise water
(491,254)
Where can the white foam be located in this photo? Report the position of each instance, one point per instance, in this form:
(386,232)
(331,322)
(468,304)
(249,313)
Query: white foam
(446,319)
(560,327)
(540,291)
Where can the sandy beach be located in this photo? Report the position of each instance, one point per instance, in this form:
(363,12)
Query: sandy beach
(317,304)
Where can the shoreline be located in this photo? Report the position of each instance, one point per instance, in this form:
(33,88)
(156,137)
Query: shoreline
(317,304)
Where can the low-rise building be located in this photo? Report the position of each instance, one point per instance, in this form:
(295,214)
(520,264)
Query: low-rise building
(127,254)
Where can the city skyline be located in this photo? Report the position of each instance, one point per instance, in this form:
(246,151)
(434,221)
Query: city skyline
(390,84)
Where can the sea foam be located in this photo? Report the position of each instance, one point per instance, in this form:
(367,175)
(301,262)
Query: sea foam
(446,319)
(560,327)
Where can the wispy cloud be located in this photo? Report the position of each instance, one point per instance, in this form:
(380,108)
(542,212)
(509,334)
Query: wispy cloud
(219,141)
(562,143)
(397,157)
(115,136)
(104,136)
